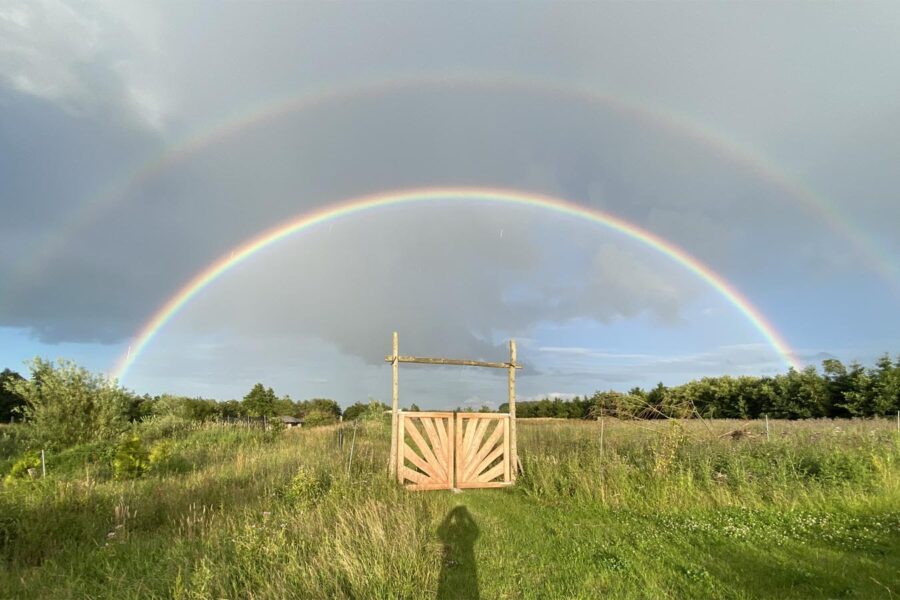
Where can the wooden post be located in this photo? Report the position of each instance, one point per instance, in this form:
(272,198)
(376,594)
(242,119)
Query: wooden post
(401,435)
(395,367)
(513,446)
(507,468)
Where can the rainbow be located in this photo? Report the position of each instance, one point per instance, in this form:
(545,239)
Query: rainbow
(743,157)
(449,194)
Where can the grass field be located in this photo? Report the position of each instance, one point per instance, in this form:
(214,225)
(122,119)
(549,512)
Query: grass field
(627,509)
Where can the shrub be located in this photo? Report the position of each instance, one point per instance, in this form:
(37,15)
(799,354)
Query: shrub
(308,487)
(132,459)
(65,404)
(163,459)
(20,468)
(317,418)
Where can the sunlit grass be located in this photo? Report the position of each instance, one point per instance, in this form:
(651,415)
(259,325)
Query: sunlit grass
(653,509)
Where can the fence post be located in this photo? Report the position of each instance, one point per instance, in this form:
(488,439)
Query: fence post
(395,368)
(513,445)
(43,465)
(352,448)
(767,427)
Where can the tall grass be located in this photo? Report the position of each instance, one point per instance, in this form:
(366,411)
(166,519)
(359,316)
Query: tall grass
(245,513)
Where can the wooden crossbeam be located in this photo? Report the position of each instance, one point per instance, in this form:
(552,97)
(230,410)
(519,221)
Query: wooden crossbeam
(450,361)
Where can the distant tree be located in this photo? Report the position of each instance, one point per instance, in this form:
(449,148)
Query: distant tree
(260,402)
(285,407)
(886,386)
(353,411)
(317,417)
(65,404)
(414,407)
(371,410)
(322,405)
(10,401)
(231,409)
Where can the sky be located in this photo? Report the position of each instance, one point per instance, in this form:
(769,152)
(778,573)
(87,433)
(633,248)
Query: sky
(141,143)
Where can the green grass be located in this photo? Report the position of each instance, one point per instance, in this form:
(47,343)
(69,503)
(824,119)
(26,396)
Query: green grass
(655,510)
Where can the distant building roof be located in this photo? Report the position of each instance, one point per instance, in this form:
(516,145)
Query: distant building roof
(290,420)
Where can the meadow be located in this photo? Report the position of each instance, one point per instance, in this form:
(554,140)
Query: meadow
(623,509)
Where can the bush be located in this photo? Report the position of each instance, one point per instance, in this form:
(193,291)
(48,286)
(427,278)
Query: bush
(132,459)
(20,468)
(308,487)
(163,459)
(66,405)
(317,418)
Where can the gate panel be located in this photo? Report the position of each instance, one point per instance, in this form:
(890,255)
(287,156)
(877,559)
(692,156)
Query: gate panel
(425,458)
(482,450)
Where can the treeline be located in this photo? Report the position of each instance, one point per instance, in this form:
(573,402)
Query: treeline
(62,404)
(838,391)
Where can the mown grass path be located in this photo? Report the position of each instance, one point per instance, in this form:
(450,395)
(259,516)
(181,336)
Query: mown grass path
(526,549)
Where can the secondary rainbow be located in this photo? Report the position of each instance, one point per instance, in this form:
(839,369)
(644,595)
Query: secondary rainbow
(223,128)
(447,195)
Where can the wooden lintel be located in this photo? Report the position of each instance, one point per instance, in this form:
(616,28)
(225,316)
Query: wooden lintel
(450,361)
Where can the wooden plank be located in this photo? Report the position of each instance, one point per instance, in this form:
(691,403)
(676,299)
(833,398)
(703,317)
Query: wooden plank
(475,474)
(431,414)
(407,473)
(481,415)
(441,426)
(487,447)
(492,474)
(452,361)
(436,447)
(484,484)
(409,454)
(467,440)
(476,442)
(428,486)
(425,450)
(506,449)
(400,432)
(476,452)
(451,444)
(395,400)
(513,446)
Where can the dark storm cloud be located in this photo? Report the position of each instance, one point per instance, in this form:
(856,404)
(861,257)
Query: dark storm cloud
(88,90)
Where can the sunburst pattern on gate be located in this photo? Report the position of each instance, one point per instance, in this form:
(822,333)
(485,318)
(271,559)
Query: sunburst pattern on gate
(425,459)
(482,450)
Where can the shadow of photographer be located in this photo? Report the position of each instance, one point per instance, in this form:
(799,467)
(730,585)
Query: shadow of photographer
(459,573)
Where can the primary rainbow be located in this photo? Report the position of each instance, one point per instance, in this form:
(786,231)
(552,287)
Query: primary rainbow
(449,194)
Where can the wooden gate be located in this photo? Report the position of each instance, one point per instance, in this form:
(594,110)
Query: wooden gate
(439,451)
(431,468)
(482,461)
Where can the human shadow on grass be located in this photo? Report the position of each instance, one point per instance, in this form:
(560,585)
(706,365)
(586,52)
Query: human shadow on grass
(459,573)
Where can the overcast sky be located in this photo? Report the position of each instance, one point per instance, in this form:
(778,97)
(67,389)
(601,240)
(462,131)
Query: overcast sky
(140,142)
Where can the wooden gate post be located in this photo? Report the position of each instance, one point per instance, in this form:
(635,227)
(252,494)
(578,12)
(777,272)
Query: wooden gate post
(395,366)
(513,448)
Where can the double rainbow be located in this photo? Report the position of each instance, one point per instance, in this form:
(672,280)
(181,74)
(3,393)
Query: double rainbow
(448,195)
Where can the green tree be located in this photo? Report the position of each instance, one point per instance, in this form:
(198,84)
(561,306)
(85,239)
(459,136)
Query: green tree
(10,401)
(65,404)
(231,409)
(323,405)
(260,402)
(886,386)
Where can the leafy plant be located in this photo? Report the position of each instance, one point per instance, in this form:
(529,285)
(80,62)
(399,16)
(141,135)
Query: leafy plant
(21,467)
(132,459)
(308,486)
